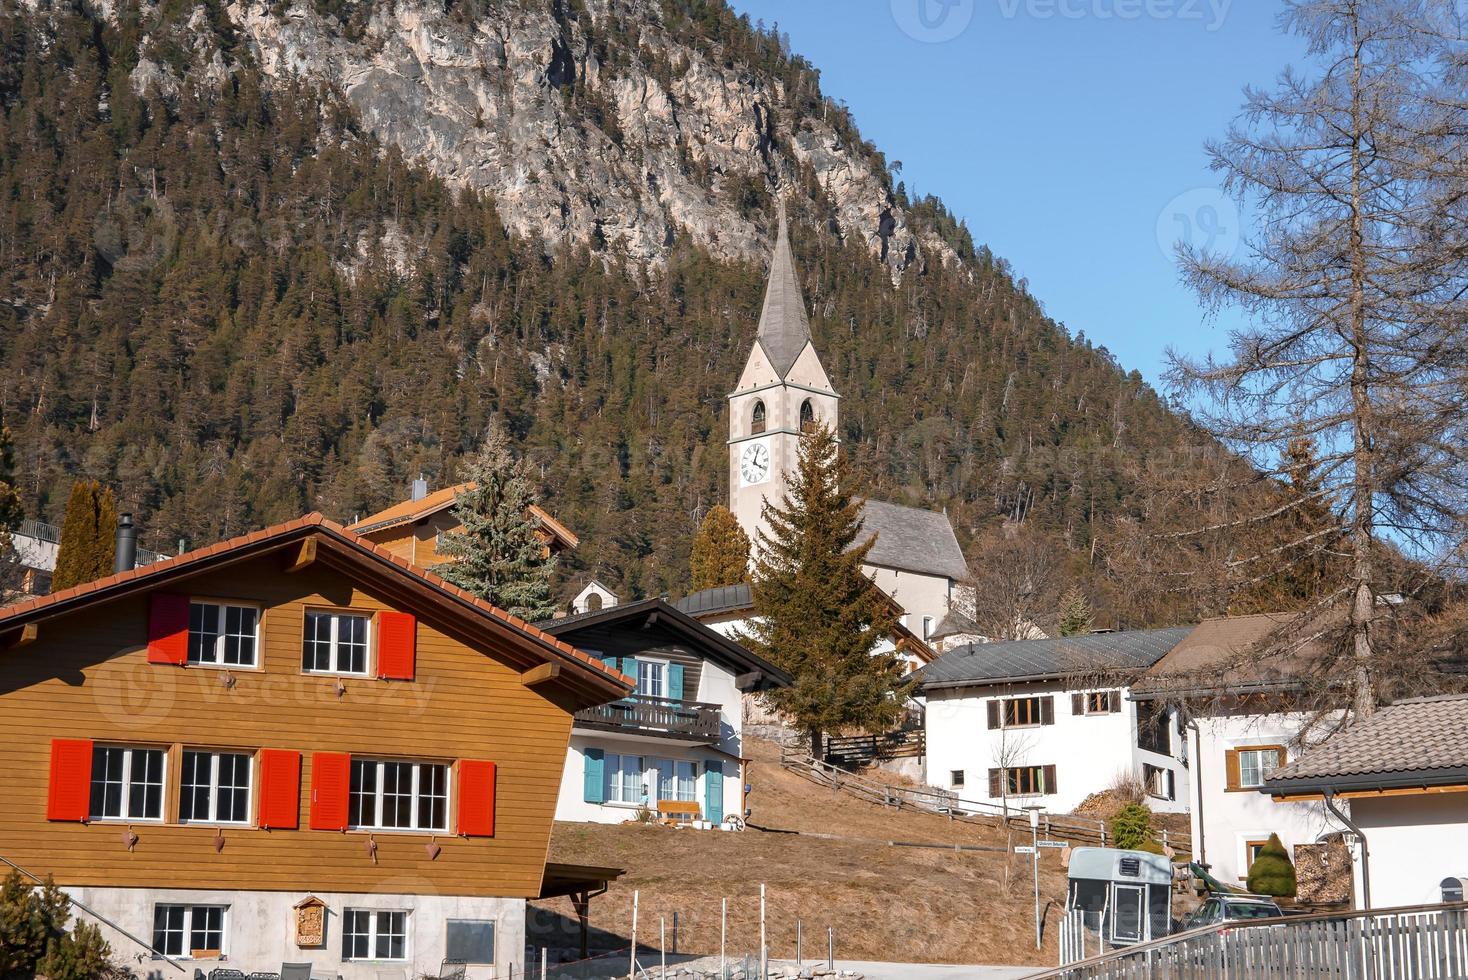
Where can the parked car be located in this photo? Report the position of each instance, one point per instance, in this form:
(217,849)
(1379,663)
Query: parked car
(1230,908)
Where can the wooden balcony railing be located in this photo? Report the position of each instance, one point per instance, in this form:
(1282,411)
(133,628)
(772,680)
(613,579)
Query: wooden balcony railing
(692,720)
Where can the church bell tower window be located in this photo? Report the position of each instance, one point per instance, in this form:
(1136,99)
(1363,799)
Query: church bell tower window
(757,419)
(807,416)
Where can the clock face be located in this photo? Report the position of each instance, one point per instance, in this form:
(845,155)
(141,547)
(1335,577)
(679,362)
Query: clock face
(754,463)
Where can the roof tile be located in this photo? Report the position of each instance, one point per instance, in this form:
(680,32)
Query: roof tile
(1423,735)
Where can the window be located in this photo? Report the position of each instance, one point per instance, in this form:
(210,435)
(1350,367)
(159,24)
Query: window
(470,940)
(807,416)
(955,778)
(624,779)
(1248,768)
(927,628)
(1251,852)
(1021,712)
(222,634)
(650,675)
(1022,781)
(1095,703)
(1154,732)
(214,787)
(335,643)
(127,783)
(757,418)
(386,795)
(189,930)
(373,934)
(677,780)
(1159,781)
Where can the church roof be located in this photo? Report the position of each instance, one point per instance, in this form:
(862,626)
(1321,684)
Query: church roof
(784,329)
(913,540)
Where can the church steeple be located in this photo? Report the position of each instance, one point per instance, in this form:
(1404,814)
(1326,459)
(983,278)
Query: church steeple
(784,329)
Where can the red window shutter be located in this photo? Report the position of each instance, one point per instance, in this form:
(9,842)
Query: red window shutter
(331,781)
(280,789)
(69,796)
(397,642)
(476,798)
(168,628)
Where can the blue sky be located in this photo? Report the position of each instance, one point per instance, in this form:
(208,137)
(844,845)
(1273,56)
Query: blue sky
(1069,134)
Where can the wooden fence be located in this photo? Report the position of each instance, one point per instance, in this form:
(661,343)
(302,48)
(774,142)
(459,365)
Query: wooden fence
(1421,942)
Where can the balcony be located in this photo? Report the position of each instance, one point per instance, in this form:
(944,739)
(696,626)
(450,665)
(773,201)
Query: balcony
(692,721)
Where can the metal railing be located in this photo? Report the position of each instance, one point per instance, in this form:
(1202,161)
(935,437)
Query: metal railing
(685,719)
(1417,942)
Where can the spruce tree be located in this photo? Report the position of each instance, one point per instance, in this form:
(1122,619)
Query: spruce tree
(88,536)
(12,572)
(817,615)
(498,555)
(1075,613)
(1272,872)
(720,551)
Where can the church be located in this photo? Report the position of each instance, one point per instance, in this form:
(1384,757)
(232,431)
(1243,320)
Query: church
(783,390)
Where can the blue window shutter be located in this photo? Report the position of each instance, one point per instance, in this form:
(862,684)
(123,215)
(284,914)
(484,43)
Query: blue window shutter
(612,663)
(675,681)
(713,792)
(595,775)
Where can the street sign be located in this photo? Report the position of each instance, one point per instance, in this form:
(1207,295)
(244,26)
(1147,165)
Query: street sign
(1054,843)
(1024,849)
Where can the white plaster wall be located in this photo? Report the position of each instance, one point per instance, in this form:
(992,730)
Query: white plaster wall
(571,804)
(1087,751)
(260,928)
(1223,821)
(919,595)
(35,553)
(1414,843)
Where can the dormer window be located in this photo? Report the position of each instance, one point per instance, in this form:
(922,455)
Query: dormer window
(807,416)
(757,419)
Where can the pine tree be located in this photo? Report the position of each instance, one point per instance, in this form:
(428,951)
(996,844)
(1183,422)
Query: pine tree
(1272,872)
(720,551)
(818,616)
(1075,613)
(88,536)
(498,554)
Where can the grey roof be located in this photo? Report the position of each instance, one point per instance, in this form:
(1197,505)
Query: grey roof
(955,623)
(713,602)
(784,329)
(913,540)
(977,664)
(1421,742)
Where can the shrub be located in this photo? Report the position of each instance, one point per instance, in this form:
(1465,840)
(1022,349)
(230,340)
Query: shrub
(1131,828)
(1127,787)
(1272,872)
(33,923)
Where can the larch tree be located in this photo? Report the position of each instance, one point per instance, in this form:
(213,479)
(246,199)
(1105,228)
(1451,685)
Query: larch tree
(1075,613)
(817,615)
(88,545)
(499,554)
(1014,584)
(1355,290)
(720,551)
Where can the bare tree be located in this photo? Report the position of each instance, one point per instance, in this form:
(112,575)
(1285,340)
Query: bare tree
(1356,287)
(1014,585)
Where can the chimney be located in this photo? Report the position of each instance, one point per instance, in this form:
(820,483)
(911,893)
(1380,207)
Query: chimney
(420,488)
(127,544)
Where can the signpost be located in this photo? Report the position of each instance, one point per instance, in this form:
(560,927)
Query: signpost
(1023,849)
(1034,851)
(1053,843)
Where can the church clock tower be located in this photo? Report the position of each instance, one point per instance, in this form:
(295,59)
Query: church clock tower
(782,390)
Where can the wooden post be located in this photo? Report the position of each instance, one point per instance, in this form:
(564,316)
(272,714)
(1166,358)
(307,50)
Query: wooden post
(764,950)
(723,935)
(581,902)
(632,954)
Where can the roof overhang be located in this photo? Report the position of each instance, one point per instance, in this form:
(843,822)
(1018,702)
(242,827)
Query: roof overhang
(576,879)
(1366,785)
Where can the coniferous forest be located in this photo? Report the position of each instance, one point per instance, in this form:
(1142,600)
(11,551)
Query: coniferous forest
(233,306)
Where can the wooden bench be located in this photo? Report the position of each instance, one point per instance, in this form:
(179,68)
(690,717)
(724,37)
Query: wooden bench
(675,813)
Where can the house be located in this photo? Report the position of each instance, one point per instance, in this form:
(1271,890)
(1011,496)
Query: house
(37,544)
(1050,722)
(292,746)
(784,390)
(1245,709)
(412,528)
(593,596)
(678,737)
(728,609)
(1401,779)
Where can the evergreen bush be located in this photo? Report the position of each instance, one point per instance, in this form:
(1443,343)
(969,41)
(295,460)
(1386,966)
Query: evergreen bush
(1273,873)
(1131,828)
(34,937)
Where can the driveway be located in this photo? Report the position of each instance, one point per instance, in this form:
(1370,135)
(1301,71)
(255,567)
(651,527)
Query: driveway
(934,971)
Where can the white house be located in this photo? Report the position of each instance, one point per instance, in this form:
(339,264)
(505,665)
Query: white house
(594,596)
(679,737)
(1049,722)
(1244,720)
(1401,779)
(782,391)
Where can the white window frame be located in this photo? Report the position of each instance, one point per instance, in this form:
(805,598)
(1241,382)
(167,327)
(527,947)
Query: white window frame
(186,947)
(615,779)
(212,816)
(374,932)
(1245,750)
(126,816)
(219,639)
(379,795)
(657,669)
(334,642)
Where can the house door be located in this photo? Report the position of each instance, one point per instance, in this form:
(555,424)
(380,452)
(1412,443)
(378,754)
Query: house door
(1128,918)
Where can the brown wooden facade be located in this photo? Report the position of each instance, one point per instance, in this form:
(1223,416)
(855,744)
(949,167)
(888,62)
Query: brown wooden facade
(485,688)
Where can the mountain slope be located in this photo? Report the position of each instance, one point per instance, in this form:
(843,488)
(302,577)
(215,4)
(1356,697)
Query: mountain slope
(231,295)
